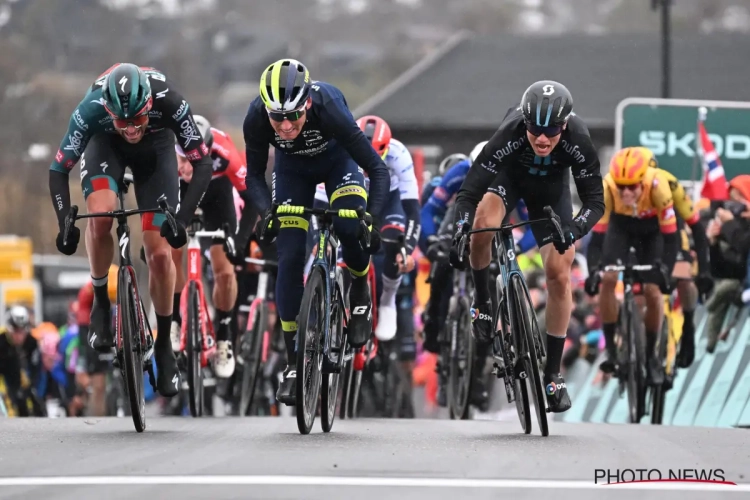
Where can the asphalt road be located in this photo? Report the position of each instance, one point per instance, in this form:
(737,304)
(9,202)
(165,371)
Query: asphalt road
(213,458)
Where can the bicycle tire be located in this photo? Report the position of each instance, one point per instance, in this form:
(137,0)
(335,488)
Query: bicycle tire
(460,374)
(252,359)
(635,378)
(309,372)
(525,339)
(132,352)
(194,349)
(330,383)
(658,393)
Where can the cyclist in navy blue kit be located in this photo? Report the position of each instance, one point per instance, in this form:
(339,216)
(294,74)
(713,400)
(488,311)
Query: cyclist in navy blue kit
(316,140)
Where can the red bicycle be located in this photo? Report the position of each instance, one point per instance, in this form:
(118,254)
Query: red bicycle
(352,386)
(197,338)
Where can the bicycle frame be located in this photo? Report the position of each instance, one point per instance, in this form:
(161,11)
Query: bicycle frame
(328,262)
(195,274)
(260,297)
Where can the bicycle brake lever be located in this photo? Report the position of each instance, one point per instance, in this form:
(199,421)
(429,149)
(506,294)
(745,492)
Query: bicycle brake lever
(167,210)
(70,221)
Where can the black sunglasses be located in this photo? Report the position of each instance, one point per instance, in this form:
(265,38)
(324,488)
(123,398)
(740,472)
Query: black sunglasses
(279,116)
(536,130)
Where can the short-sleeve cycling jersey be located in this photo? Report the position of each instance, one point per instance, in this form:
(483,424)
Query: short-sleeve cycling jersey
(655,201)
(169,111)
(329,125)
(509,148)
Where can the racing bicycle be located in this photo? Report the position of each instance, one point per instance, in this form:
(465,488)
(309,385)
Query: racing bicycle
(323,320)
(631,347)
(518,347)
(134,339)
(255,343)
(197,338)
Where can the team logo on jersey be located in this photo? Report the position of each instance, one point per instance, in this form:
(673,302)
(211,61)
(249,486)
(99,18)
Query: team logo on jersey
(181,110)
(59,156)
(189,131)
(163,93)
(75,139)
(193,155)
(79,120)
(204,148)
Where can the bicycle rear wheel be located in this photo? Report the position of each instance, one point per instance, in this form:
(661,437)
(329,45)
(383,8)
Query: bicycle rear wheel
(132,351)
(194,349)
(309,350)
(461,361)
(329,390)
(252,342)
(526,332)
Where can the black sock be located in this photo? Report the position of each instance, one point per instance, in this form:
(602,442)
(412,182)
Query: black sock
(291,356)
(100,290)
(555,347)
(481,284)
(687,325)
(223,325)
(609,335)
(176,308)
(650,343)
(163,326)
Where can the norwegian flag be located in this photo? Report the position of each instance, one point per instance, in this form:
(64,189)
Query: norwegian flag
(715,186)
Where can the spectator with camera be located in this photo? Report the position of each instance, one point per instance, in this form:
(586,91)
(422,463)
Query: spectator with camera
(729,237)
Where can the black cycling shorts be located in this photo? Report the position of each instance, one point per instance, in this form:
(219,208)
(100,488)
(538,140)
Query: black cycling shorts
(217,205)
(537,191)
(152,161)
(624,232)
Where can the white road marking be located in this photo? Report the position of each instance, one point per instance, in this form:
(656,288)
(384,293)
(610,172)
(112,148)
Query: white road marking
(403,482)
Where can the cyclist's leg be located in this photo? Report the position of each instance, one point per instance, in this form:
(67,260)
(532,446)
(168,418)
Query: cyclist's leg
(179,284)
(652,248)
(218,209)
(345,186)
(393,227)
(617,242)
(101,169)
(154,169)
(554,191)
(688,294)
(491,212)
(291,188)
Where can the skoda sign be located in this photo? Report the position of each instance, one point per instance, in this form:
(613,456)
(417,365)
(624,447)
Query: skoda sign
(669,127)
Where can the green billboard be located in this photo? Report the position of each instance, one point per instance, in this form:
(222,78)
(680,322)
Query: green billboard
(669,127)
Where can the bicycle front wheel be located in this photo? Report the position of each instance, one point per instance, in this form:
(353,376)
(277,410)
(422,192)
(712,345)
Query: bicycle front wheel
(329,391)
(252,343)
(526,333)
(461,361)
(132,350)
(194,349)
(310,330)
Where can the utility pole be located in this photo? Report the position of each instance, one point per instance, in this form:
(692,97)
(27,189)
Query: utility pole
(666,40)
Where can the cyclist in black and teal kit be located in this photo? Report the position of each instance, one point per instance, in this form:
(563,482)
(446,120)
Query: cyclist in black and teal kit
(129,117)
(316,140)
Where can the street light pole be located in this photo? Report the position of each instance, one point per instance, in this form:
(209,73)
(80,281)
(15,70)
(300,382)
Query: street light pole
(666,39)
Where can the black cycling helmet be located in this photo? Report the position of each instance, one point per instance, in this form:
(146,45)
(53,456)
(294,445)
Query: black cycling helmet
(546,104)
(126,92)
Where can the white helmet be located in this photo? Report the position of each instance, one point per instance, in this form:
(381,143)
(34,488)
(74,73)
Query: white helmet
(477,149)
(205,128)
(18,318)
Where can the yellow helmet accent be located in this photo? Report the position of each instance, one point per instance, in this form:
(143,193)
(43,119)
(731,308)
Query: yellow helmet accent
(629,165)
